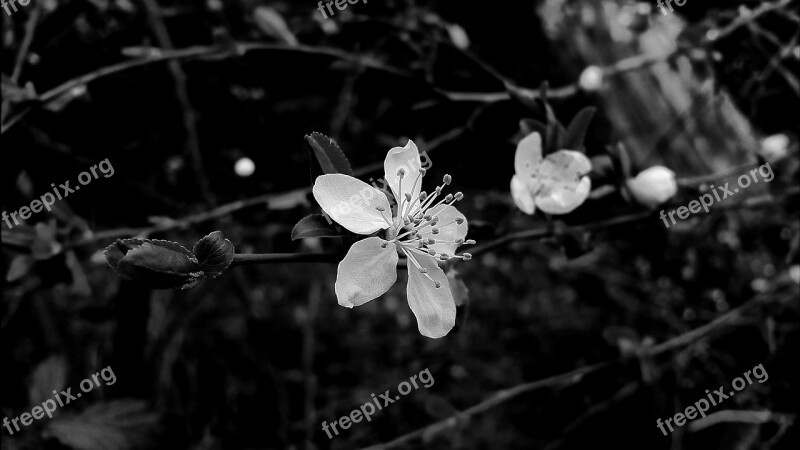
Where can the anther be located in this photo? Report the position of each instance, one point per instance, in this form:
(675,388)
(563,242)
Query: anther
(434,231)
(406,222)
(423,270)
(437,284)
(459,241)
(401,173)
(447,179)
(449,198)
(467,256)
(431,241)
(427,217)
(444,257)
(459,220)
(422,196)
(435,220)
(380,208)
(422,172)
(431,251)
(459,196)
(384,244)
(408,197)
(470,242)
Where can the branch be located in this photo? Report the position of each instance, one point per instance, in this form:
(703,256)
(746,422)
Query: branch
(572,376)
(189,115)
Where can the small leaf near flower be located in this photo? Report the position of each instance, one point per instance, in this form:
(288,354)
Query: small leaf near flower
(331,158)
(314,225)
(214,253)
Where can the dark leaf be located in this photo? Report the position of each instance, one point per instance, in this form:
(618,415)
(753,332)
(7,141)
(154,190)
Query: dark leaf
(576,131)
(528,126)
(314,225)
(214,253)
(330,156)
(156,263)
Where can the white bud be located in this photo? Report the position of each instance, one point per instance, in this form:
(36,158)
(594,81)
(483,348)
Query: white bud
(591,79)
(653,186)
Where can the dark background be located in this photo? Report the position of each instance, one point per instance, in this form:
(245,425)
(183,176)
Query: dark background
(259,357)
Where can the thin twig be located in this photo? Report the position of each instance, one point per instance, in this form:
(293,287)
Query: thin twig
(182,93)
(572,376)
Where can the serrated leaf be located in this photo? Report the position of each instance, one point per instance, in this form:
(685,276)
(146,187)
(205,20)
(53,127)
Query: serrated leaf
(214,253)
(117,425)
(314,225)
(331,158)
(156,263)
(576,131)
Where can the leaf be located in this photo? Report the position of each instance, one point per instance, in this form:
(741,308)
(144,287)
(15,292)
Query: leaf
(576,131)
(20,266)
(156,263)
(314,225)
(330,156)
(273,24)
(116,425)
(214,253)
(528,126)
(50,374)
(622,162)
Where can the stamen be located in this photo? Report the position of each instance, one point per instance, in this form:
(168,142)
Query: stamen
(470,242)
(419,266)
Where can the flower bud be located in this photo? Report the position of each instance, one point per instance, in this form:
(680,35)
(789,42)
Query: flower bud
(653,186)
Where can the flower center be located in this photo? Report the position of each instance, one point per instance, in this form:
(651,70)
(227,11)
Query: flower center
(415,217)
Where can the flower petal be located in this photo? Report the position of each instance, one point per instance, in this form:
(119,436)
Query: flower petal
(563,199)
(351,203)
(522,196)
(449,230)
(528,155)
(367,272)
(406,158)
(433,307)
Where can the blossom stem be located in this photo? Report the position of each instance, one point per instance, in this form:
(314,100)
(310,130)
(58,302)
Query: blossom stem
(240,259)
